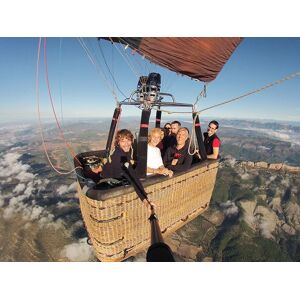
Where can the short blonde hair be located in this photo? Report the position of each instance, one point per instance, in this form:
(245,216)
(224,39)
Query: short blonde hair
(155,130)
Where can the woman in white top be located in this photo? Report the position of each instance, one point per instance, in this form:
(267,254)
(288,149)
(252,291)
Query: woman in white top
(154,161)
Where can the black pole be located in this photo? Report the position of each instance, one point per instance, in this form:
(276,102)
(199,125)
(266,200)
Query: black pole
(158,118)
(158,251)
(198,131)
(143,144)
(112,129)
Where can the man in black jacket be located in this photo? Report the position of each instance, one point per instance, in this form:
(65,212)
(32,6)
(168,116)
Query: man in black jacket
(211,141)
(177,157)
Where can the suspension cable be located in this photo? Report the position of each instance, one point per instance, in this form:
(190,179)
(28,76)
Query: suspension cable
(39,116)
(252,92)
(238,98)
(132,61)
(60,94)
(126,60)
(98,68)
(112,76)
(51,100)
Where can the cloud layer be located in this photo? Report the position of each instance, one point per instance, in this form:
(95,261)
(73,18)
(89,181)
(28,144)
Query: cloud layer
(79,251)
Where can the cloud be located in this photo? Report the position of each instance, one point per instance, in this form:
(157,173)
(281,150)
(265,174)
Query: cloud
(230,160)
(1,200)
(282,135)
(10,166)
(229,208)
(63,204)
(19,188)
(64,189)
(36,212)
(25,176)
(9,158)
(8,212)
(245,176)
(79,251)
(266,229)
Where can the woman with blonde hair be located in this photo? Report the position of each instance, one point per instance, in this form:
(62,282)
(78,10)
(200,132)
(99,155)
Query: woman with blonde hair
(154,160)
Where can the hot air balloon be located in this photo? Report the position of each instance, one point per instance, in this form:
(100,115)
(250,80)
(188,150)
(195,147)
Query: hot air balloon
(116,221)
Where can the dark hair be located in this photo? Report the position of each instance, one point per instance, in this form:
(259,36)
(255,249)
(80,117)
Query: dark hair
(123,133)
(176,122)
(167,124)
(215,123)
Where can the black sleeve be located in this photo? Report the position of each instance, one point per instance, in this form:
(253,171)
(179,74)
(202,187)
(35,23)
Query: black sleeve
(107,171)
(184,166)
(130,175)
(167,157)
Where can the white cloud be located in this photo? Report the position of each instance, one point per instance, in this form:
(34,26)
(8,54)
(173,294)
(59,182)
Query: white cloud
(25,176)
(62,204)
(11,167)
(64,189)
(19,188)
(36,212)
(1,200)
(79,251)
(9,158)
(245,176)
(266,229)
(229,208)
(8,212)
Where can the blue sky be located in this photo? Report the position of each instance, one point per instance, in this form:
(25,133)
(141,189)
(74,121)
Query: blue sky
(78,86)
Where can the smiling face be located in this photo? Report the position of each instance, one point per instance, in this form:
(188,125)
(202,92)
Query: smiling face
(182,136)
(124,139)
(125,144)
(155,137)
(211,129)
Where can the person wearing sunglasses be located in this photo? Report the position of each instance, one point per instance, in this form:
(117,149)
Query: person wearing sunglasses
(170,139)
(167,129)
(211,141)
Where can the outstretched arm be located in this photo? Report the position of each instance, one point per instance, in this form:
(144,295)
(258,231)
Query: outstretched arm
(215,153)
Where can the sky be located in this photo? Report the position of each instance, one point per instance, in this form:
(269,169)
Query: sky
(81,88)
(255,63)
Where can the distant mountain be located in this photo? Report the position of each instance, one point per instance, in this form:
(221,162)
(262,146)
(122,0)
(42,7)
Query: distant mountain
(254,212)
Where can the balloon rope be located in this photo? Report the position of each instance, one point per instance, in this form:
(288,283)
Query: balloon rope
(110,72)
(252,92)
(126,60)
(39,116)
(237,98)
(51,100)
(98,68)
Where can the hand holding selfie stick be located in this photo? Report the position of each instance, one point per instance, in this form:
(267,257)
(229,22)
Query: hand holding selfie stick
(158,251)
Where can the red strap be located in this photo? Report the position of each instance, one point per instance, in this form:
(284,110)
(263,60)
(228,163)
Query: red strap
(144,125)
(197,124)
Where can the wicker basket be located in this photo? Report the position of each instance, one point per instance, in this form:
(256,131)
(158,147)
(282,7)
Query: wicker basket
(118,224)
